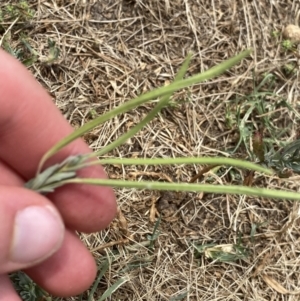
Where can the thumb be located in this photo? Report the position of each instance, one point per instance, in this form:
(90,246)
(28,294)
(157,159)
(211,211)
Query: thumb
(31,229)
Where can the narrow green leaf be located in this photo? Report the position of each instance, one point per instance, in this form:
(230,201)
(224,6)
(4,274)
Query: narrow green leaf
(103,269)
(154,234)
(60,177)
(179,297)
(56,176)
(162,103)
(40,179)
(113,288)
(214,71)
(191,160)
(209,188)
(51,177)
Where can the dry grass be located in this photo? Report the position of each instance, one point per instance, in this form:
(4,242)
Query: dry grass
(111,51)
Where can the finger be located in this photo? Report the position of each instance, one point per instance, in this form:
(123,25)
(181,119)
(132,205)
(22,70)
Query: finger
(82,208)
(58,284)
(31,228)
(7,291)
(66,273)
(29,125)
(9,177)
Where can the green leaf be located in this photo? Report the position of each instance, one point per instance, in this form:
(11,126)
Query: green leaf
(213,72)
(161,104)
(286,158)
(103,269)
(54,176)
(113,288)
(179,297)
(191,160)
(209,188)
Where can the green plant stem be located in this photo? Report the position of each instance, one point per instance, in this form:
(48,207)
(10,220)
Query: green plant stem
(161,104)
(190,160)
(214,71)
(208,188)
(56,175)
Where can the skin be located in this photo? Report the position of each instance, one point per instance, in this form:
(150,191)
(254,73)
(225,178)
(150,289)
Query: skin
(29,125)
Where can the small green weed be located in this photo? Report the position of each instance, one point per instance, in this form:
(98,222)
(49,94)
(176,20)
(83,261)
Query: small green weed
(245,106)
(20,49)
(253,118)
(137,263)
(290,69)
(254,228)
(15,40)
(288,45)
(93,113)
(275,34)
(260,105)
(20,11)
(222,253)
(53,52)
(27,289)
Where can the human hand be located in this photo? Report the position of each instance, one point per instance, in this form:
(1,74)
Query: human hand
(37,234)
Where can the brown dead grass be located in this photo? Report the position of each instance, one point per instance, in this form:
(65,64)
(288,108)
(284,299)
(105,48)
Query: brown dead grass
(111,51)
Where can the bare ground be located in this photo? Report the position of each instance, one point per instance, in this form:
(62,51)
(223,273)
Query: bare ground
(111,51)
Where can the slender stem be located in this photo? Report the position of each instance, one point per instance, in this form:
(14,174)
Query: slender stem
(162,103)
(214,71)
(230,189)
(189,160)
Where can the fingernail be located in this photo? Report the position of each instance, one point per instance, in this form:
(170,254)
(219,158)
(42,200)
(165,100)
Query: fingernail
(38,233)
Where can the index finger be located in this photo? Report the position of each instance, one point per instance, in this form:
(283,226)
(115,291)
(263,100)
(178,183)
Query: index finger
(29,125)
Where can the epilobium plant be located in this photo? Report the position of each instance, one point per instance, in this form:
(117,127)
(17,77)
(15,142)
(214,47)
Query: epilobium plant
(65,172)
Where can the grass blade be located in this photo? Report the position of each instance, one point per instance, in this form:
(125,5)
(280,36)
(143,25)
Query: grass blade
(153,237)
(103,269)
(162,103)
(179,297)
(57,175)
(192,160)
(213,72)
(113,288)
(209,188)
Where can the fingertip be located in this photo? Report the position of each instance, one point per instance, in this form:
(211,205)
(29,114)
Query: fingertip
(31,228)
(68,272)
